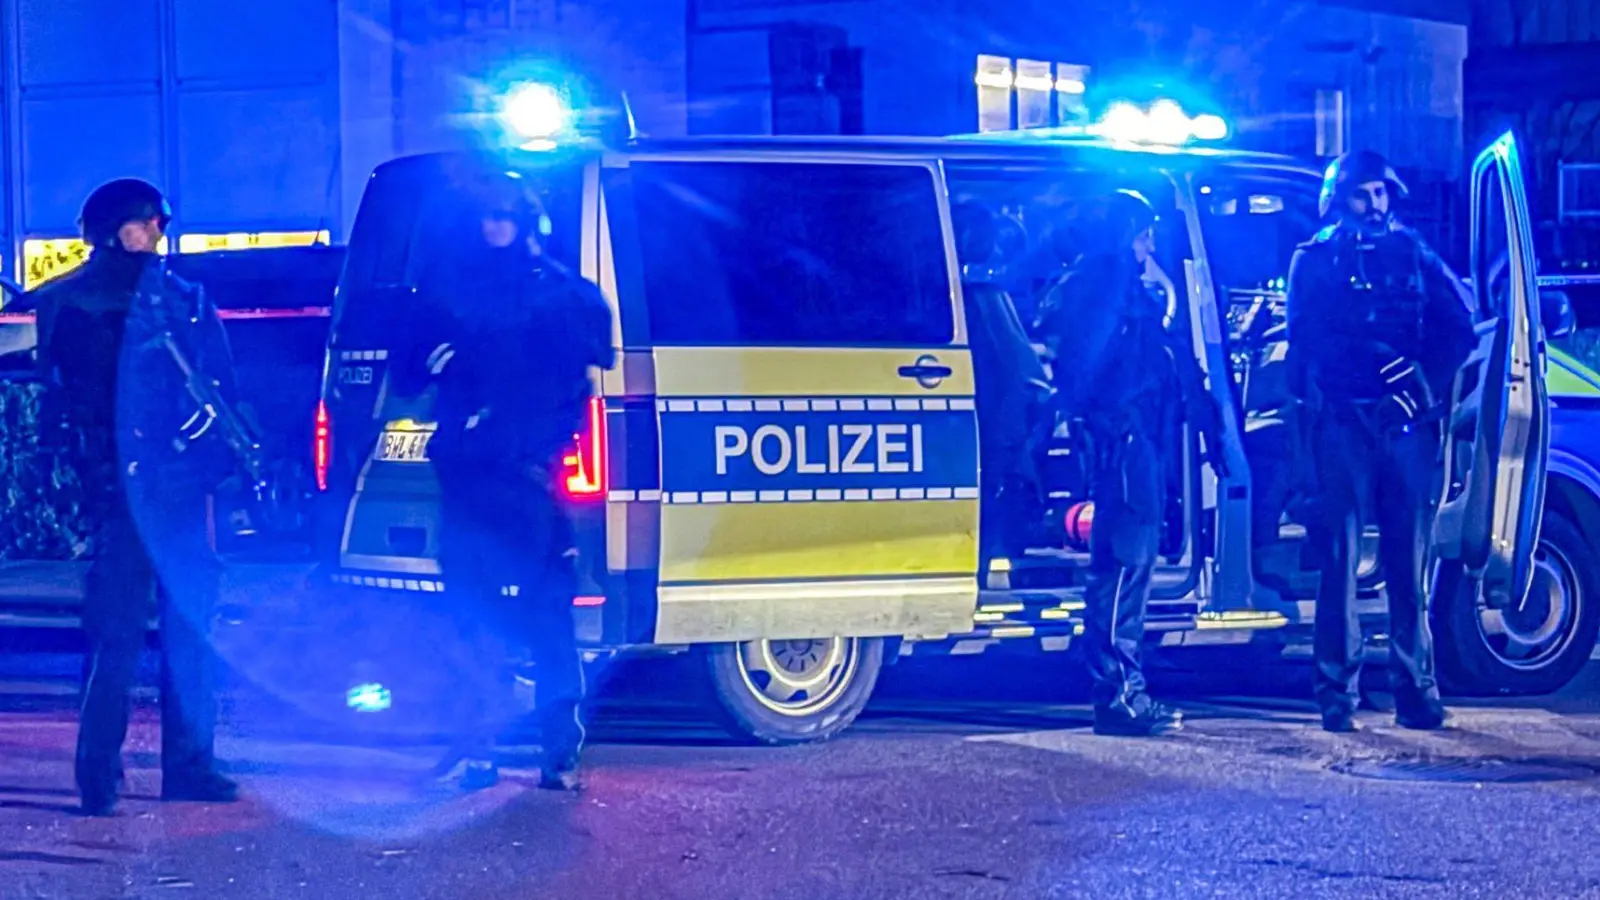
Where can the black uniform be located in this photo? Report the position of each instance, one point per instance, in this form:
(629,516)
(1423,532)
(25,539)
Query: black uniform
(119,406)
(517,338)
(1116,373)
(1378,327)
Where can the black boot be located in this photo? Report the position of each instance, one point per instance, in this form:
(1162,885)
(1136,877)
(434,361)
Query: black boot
(559,772)
(1422,714)
(207,787)
(1146,719)
(1339,722)
(99,802)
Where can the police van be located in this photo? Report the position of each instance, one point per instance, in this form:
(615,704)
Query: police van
(782,473)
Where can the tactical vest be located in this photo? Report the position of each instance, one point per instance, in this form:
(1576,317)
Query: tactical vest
(1382,280)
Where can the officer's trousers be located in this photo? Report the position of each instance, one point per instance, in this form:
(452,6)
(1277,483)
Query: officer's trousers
(498,529)
(1389,477)
(1128,488)
(151,543)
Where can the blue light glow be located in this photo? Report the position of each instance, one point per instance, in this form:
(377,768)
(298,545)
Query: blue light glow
(535,112)
(368,698)
(1163,123)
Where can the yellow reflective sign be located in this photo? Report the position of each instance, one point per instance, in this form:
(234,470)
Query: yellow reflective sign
(43,260)
(206,243)
(47,258)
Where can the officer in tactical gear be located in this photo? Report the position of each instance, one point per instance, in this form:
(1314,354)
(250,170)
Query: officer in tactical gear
(1378,327)
(117,404)
(517,335)
(1125,383)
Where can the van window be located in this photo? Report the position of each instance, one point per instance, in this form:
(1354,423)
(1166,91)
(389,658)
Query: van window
(419,214)
(1252,227)
(1045,219)
(792,253)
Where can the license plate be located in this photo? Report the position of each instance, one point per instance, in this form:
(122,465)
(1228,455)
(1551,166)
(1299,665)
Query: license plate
(404,446)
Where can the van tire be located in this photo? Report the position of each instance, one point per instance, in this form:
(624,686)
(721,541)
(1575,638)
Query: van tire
(820,687)
(1564,615)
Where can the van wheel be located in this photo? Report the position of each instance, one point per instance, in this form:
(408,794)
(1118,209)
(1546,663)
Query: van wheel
(1533,650)
(792,692)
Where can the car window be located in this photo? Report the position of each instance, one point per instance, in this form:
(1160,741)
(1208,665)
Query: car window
(1252,226)
(1045,221)
(419,216)
(792,254)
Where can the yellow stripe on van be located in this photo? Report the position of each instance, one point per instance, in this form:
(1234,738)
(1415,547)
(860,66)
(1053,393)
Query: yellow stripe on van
(1566,377)
(768,371)
(765,542)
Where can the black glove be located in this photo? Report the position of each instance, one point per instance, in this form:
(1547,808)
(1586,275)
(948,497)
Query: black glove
(1409,399)
(1205,416)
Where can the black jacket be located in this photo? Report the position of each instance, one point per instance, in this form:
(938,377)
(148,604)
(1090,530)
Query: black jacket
(520,334)
(122,398)
(1351,311)
(1113,360)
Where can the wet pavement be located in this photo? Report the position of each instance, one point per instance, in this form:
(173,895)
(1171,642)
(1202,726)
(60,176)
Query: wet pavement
(970,778)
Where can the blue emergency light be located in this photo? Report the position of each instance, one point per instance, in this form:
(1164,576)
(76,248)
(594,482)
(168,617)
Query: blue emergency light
(544,107)
(1163,123)
(535,112)
(368,698)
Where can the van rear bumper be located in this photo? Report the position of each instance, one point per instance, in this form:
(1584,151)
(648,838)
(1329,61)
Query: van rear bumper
(371,592)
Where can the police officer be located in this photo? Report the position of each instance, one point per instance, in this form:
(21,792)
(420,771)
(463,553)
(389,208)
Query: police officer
(118,405)
(518,334)
(1378,327)
(1121,378)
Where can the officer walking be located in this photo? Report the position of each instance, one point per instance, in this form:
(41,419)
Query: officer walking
(118,404)
(518,335)
(1378,327)
(1126,383)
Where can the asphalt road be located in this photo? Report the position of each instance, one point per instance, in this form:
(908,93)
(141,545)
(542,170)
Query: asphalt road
(968,778)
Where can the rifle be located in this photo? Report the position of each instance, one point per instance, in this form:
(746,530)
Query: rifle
(270,490)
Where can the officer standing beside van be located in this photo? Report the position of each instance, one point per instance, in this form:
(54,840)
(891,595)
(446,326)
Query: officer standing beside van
(517,335)
(1117,374)
(1378,328)
(120,406)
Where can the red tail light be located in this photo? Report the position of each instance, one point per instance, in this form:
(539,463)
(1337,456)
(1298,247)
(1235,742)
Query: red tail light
(322,444)
(584,468)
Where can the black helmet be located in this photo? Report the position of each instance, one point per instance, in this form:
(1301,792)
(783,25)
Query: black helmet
(1354,168)
(976,232)
(116,203)
(507,195)
(1125,215)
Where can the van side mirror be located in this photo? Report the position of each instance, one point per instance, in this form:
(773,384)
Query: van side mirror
(1555,311)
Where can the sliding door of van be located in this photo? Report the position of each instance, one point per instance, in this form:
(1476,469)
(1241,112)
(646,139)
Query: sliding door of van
(813,393)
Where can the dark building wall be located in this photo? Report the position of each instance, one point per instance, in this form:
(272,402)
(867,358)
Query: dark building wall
(1535,68)
(1262,61)
(199,97)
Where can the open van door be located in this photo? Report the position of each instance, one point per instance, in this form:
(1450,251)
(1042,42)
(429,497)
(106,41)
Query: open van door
(1487,530)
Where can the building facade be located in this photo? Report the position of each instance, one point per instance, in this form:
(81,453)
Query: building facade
(1299,77)
(1533,69)
(263,120)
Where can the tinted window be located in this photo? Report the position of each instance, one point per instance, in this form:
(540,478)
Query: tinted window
(420,214)
(788,253)
(276,278)
(1045,220)
(1252,227)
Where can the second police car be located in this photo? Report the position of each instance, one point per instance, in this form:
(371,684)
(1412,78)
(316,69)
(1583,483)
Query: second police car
(782,473)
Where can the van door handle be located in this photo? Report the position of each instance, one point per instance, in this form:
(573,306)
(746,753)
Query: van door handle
(926,371)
